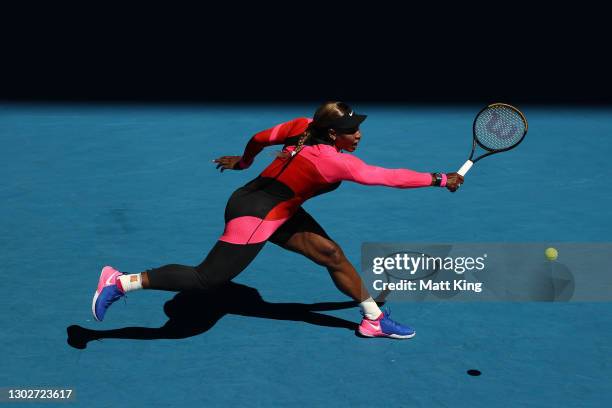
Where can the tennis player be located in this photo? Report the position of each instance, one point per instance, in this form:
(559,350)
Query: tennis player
(269,208)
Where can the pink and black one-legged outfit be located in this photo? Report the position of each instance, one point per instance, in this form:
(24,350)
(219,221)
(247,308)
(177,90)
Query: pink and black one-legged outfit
(269,207)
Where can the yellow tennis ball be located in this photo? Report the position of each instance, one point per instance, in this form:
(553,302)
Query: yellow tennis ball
(551,254)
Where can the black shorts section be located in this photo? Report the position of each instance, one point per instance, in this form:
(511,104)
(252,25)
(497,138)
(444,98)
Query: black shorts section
(300,222)
(257,198)
(271,186)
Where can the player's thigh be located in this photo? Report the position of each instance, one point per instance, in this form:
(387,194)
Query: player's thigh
(303,234)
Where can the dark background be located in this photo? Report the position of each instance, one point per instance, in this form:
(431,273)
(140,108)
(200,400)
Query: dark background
(308,52)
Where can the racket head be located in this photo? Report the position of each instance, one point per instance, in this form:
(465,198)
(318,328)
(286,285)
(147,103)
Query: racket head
(499,127)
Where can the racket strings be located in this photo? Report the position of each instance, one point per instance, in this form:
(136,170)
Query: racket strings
(499,127)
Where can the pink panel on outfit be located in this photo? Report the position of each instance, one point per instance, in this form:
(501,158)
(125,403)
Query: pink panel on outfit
(249,230)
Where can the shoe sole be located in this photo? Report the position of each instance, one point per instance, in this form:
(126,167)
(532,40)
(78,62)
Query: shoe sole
(93,306)
(93,302)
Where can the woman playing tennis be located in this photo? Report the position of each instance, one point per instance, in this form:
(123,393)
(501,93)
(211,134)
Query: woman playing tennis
(269,208)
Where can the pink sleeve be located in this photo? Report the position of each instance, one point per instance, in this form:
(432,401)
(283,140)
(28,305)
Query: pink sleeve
(352,168)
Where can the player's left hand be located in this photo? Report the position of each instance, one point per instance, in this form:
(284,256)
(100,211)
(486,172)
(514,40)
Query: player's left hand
(228,163)
(453,181)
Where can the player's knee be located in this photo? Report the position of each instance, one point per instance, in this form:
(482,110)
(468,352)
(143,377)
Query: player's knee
(206,281)
(330,253)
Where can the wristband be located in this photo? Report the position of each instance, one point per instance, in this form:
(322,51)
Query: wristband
(444,180)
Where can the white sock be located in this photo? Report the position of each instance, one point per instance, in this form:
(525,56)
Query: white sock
(369,309)
(130,282)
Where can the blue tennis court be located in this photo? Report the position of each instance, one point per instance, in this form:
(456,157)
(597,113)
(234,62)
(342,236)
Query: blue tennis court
(133,186)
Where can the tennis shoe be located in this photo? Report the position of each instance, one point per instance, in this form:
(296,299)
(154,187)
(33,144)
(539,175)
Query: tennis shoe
(107,292)
(383,326)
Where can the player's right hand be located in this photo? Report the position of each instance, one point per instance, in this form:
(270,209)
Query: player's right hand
(453,181)
(228,163)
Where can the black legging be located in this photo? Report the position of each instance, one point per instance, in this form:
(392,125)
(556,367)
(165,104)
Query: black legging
(222,264)
(225,261)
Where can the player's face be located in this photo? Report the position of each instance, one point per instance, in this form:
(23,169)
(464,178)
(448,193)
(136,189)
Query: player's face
(348,139)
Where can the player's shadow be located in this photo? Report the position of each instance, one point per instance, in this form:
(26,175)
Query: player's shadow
(192,313)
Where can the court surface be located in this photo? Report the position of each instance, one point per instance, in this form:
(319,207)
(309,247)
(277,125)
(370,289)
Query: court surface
(134,187)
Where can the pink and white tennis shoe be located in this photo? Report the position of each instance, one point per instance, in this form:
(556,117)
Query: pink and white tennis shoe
(385,327)
(107,293)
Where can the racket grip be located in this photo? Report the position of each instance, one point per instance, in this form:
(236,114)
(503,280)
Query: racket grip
(465,168)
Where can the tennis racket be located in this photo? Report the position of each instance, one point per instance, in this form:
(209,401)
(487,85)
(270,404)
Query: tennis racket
(497,128)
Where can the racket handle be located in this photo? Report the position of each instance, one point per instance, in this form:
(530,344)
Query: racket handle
(465,168)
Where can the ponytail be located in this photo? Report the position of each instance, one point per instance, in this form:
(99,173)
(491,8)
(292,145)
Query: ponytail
(300,144)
